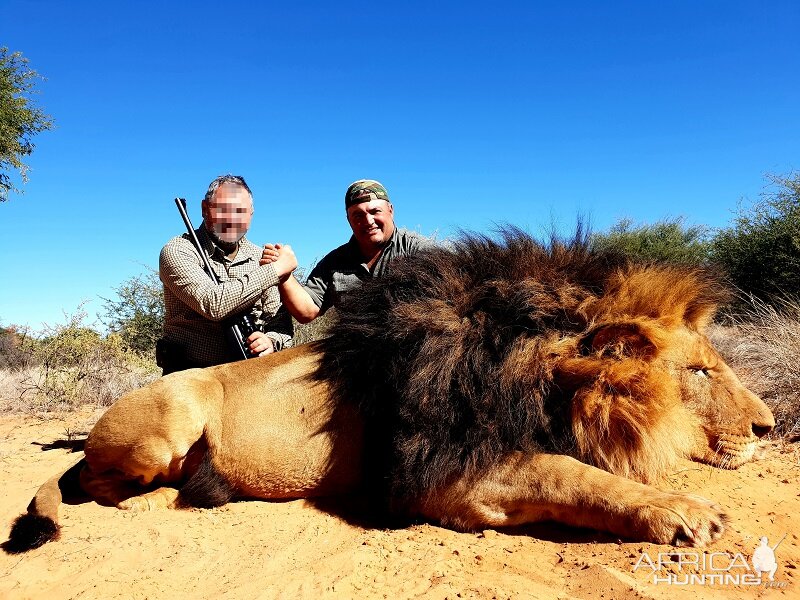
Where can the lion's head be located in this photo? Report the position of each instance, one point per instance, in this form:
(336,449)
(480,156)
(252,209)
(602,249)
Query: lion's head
(647,393)
(462,355)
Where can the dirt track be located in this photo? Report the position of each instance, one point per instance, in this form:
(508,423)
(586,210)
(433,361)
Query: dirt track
(295,550)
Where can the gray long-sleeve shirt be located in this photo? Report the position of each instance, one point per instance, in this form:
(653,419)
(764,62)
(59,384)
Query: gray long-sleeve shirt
(343,269)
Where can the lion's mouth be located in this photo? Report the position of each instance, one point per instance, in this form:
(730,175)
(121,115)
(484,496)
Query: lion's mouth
(729,451)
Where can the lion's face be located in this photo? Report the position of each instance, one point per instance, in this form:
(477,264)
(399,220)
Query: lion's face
(730,417)
(649,392)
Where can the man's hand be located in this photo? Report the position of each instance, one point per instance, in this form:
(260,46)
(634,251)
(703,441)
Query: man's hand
(260,344)
(282,258)
(270,254)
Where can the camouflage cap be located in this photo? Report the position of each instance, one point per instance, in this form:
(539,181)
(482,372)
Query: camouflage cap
(364,190)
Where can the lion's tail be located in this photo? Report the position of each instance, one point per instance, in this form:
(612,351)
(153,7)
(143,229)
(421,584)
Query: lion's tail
(40,524)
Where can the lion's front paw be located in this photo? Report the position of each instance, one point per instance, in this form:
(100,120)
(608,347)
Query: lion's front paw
(681,520)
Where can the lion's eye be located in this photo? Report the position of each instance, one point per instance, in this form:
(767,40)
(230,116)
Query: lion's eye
(700,372)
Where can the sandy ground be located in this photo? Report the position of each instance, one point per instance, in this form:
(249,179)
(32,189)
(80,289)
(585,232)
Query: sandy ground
(296,550)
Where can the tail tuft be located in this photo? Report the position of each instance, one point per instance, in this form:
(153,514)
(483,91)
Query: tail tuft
(30,531)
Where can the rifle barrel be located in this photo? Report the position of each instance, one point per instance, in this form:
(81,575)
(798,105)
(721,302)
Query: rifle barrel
(181,203)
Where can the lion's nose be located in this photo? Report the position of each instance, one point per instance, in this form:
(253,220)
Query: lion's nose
(763,419)
(761,430)
(764,423)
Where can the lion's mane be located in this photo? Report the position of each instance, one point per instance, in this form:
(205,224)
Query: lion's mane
(463,354)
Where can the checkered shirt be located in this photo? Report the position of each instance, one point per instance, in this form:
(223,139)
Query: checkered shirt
(195,307)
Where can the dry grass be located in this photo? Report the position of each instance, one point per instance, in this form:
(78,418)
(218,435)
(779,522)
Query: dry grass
(763,347)
(318,328)
(35,390)
(66,366)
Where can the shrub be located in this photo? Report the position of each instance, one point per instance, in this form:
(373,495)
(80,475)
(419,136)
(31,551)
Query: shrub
(137,314)
(761,252)
(67,365)
(316,329)
(15,347)
(668,240)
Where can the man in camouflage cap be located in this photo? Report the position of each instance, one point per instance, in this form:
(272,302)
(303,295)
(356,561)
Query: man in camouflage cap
(374,243)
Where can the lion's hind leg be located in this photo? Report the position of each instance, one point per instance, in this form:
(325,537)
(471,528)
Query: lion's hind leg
(205,488)
(113,488)
(143,476)
(163,497)
(110,487)
(546,487)
(140,485)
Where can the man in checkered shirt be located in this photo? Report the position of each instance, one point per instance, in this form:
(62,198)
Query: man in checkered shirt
(197,308)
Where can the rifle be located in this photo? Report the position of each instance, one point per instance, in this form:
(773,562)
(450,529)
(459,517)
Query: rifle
(238,328)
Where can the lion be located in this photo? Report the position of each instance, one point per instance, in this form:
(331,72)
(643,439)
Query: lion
(488,384)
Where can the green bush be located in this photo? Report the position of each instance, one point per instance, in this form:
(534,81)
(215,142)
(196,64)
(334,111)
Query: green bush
(669,240)
(316,329)
(15,347)
(137,314)
(761,252)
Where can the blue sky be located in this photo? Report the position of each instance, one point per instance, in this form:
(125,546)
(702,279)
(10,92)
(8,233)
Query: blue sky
(471,114)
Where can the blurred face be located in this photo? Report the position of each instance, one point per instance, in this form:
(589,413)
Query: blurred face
(229,212)
(372,222)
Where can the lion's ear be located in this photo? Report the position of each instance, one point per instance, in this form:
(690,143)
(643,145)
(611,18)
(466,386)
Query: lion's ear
(699,314)
(621,340)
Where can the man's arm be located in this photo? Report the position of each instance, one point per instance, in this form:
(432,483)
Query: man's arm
(294,296)
(180,270)
(298,301)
